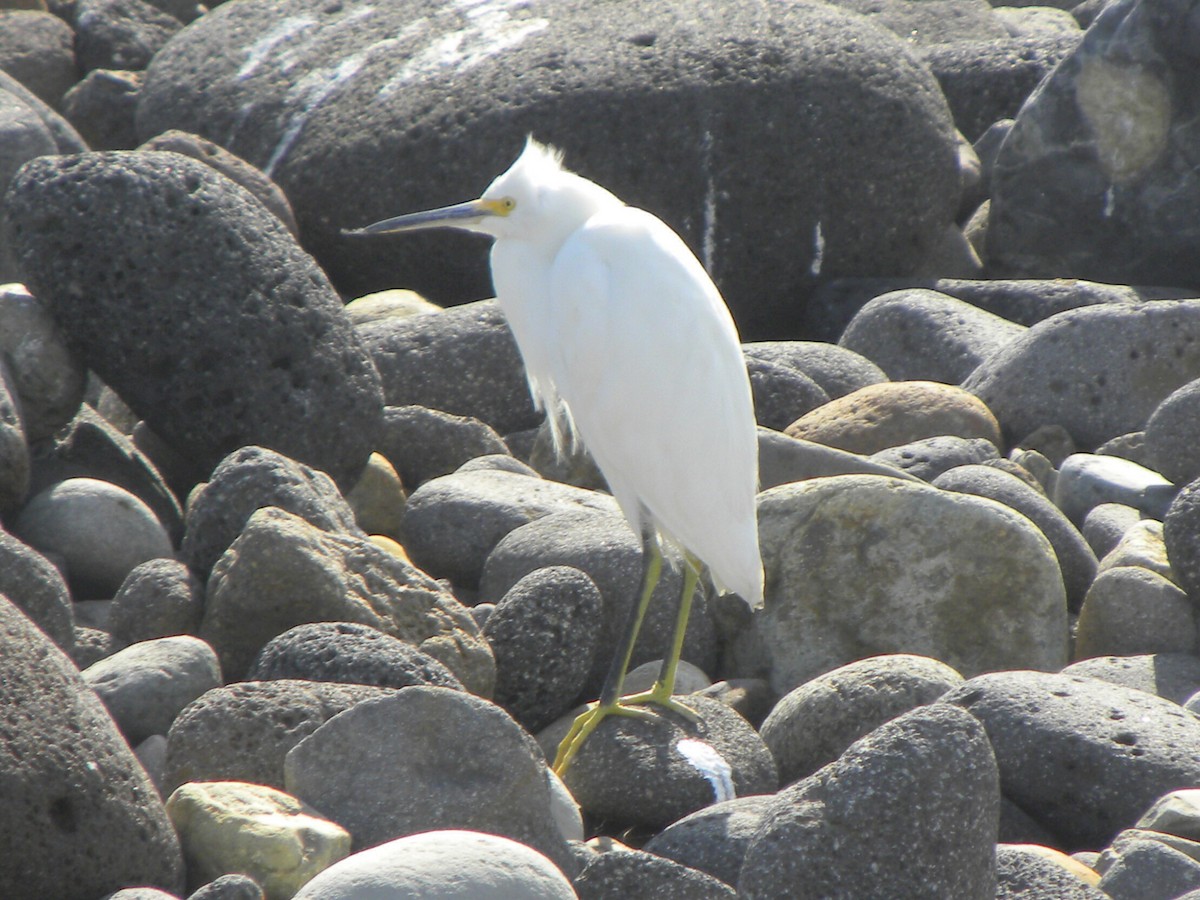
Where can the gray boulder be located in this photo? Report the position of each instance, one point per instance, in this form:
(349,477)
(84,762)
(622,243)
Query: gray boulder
(771,75)
(912,809)
(348,653)
(1172,676)
(543,633)
(636,875)
(145,685)
(1099,371)
(1085,758)
(452,523)
(424,443)
(80,816)
(1173,434)
(1023,874)
(120,34)
(923,335)
(463,362)
(1087,184)
(200,308)
(426,759)
(158,598)
(648,773)
(601,545)
(837,370)
(1075,557)
(714,839)
(32,583)
(243,731)
(813,724)
(282,572)
(37,48)
(981,571)
(247,480)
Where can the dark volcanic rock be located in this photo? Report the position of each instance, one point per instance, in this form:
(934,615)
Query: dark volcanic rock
(197,306)
(715,105)
(80,816)
(1091,180)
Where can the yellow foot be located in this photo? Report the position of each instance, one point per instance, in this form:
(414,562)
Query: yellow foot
(586,722)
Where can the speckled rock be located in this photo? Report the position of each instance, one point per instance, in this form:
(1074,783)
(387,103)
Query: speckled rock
(714,839)
(923,335)
(1099,371)
(863,807)
(1105,523)
(783,459)
(449,864)
(893,413)
(1130,610)
(1086,480)
(80,815)
(463,362)
(214,339)
(120,34)
(1085,758)
(41,371)
(1173,676)
(1086,184)
(455,521)
(782,394)
(36,587)
(37,48)
(1150,868)
(813,724)
(601,545)
(1023,874)
(90,446)
(14,449)
(583,79)
(249,479)
(232,167)
(102,108)
(543,633)
(243,731)
(828,602)
(644,876)
(282,572)
(651,772)
(837,370)
(1181,534)
(350,653)
(158,598)
(1173,435)
(425,443)
(422,759)
(929,457)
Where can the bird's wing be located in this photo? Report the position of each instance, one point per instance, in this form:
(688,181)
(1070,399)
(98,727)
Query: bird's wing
(646,357)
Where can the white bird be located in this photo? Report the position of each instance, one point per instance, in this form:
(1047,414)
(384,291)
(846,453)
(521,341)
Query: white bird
(630,350)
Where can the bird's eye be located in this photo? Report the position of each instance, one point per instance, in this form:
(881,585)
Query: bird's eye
(507,205)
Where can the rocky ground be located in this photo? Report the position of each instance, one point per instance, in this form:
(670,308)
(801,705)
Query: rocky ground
(295,598)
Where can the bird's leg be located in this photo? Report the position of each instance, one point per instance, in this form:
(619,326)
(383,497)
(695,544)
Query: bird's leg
(610,695)
(663,689)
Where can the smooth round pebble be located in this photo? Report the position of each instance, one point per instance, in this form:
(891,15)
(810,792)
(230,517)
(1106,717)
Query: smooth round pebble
(98,530)
(448,864)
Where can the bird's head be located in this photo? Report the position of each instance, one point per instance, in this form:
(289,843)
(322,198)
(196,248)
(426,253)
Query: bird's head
(535,199)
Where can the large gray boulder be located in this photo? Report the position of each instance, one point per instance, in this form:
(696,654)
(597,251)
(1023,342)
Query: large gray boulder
(1097,178)
(702,112)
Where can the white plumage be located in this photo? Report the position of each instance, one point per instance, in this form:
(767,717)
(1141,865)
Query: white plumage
(630,349)
(622,327)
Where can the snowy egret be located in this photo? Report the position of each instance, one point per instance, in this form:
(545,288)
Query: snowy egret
(630,350)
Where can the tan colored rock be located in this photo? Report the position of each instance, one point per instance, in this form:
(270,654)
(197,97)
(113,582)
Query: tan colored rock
(892,413)
(232,826)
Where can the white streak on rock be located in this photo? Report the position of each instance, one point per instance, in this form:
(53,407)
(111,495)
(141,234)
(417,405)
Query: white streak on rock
(711,764)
